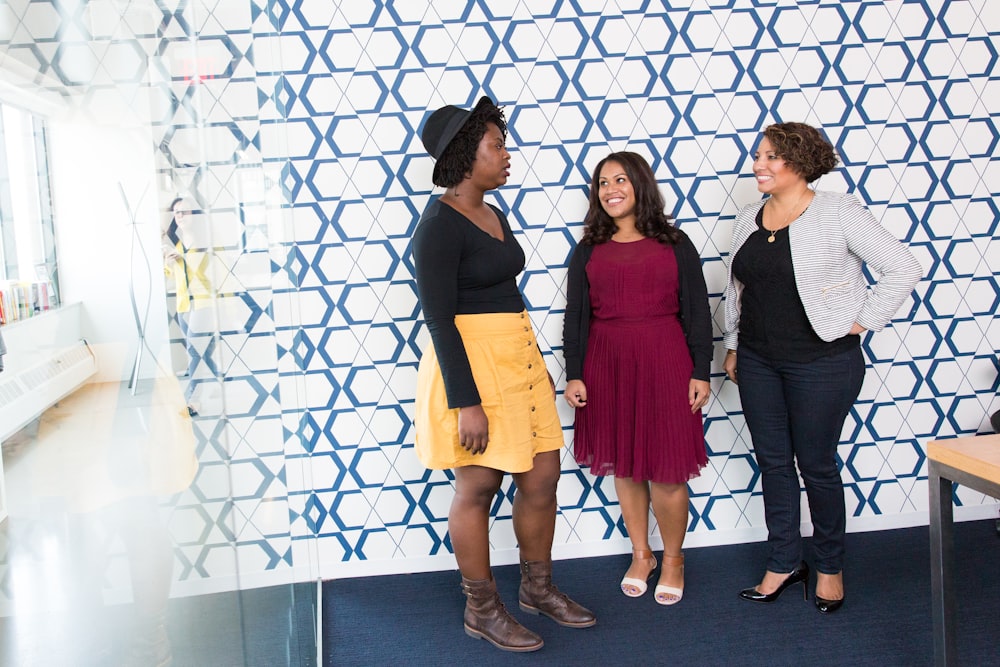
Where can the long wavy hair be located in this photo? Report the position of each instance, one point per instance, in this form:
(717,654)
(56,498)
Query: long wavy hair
(456,161)
(650,218)
(803,148)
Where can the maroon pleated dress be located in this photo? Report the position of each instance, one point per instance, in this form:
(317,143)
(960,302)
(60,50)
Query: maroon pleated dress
(637,422)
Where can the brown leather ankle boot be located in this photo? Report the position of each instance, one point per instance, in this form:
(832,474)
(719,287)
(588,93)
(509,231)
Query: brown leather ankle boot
(538,595)
(487,618)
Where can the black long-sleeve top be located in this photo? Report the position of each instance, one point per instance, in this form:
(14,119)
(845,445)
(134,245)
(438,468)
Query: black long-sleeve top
(462,270)
(695,315)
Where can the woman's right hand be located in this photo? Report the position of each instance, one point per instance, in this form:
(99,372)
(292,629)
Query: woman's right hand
(729,365)
(473,429)
(576,394)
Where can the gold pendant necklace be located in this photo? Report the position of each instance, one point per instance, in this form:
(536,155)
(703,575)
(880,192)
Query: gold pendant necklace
(770,239)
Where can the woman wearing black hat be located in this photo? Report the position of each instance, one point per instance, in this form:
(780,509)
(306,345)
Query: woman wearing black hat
(485,403)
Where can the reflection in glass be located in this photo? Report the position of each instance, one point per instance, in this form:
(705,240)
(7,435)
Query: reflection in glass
(153,526)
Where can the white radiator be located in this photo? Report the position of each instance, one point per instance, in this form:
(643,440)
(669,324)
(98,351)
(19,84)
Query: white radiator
(27,393)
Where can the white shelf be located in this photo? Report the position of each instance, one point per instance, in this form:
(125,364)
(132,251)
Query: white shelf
(32,343)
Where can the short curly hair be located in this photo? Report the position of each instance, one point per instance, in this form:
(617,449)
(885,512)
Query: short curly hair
(803,148)
(455,163)
(650,218)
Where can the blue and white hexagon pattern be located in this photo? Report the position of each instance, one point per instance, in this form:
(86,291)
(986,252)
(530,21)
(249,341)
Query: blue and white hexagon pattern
(294,127)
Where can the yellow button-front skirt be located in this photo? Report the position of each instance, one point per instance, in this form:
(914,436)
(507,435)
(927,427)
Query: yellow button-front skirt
(513,385)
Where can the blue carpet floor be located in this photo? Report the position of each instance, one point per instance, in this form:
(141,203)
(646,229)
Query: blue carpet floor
(886,620)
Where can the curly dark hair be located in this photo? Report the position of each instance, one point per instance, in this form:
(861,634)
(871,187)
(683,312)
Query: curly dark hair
(803,148)
(456,161)
(650,218)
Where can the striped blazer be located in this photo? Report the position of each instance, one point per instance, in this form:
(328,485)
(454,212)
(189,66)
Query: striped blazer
(829,243)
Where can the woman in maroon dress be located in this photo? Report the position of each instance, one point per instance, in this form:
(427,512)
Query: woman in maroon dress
(638,345)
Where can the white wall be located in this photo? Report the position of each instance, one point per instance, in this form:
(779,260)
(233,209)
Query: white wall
(97,259)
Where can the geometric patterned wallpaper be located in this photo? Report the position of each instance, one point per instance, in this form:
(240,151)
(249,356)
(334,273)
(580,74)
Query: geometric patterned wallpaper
(293,126)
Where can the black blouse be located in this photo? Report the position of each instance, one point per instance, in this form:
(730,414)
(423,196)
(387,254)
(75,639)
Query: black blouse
(773,321)
(462,270)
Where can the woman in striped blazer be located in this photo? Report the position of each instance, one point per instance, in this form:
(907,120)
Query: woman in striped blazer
(796,306)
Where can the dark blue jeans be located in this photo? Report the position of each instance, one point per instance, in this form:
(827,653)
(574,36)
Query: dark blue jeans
(795,413)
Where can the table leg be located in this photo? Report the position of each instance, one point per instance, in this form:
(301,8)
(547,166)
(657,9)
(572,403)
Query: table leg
(942,556)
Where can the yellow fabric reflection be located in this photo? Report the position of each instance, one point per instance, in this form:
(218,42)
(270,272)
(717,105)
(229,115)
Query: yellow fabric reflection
(137,446)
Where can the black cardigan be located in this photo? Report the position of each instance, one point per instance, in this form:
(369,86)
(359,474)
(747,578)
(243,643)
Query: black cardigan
(695,315)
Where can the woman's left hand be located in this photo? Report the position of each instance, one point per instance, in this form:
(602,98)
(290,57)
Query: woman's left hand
(857,329)
(698,394)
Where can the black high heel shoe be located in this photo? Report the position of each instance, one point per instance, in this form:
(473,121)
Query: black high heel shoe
(828,606)
(799,574)
(825,605)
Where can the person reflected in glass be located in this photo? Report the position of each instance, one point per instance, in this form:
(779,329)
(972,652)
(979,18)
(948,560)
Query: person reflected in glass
(485,403)
(186,262)
(796,306)
(637,339)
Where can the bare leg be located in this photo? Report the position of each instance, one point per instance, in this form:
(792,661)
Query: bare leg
(634,500)
(830,586)
(670,507)
(469,519)
(534,510)
(534,525)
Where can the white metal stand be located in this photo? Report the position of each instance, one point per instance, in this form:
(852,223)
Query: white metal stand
(140,321)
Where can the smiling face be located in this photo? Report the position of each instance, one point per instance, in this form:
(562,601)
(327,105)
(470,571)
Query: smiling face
(491,168)
(616,193)
(773,174)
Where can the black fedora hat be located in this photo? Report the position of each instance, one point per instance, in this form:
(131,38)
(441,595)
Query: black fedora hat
(442,126)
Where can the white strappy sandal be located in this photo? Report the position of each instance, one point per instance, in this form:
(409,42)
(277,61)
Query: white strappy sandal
(668,595)
(633,587)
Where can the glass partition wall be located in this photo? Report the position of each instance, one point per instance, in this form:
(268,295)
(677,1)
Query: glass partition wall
(151,491)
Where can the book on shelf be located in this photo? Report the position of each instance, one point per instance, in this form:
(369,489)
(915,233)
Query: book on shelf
(23,299)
